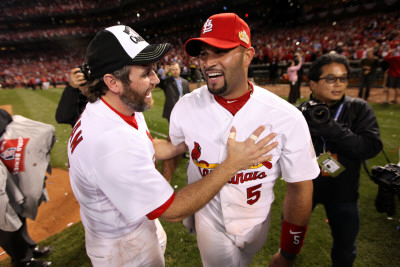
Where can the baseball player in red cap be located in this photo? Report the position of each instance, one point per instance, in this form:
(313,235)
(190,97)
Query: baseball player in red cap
(234,225)
(112,155)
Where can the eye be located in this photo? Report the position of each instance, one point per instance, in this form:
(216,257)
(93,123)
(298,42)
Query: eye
(331,79)
(202,54)
(146,73)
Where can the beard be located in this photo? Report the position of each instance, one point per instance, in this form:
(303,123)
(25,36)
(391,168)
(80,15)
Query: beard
(217,91)
(136,101)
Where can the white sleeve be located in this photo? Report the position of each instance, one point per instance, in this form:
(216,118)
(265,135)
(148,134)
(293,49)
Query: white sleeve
(298,161)
(175,129)
(129,179)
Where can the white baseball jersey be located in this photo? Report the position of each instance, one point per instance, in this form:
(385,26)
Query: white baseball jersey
(112,172)
(244,202)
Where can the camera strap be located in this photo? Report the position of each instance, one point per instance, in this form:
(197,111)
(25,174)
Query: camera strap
(335,118)
(338,111)
(365,165)
(328,162)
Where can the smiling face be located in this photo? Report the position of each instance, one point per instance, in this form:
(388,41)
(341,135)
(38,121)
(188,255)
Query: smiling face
(137,94)
(225,70)
(329,93)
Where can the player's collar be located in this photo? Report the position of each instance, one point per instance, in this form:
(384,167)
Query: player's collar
(235,104)
(131,120)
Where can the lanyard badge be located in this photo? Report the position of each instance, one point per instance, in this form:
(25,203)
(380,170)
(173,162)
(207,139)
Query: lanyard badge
(329,165)
(328,162)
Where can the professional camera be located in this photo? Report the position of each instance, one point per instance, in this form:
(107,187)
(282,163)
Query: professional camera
(388,176)
(85,70)
(315,112)
(388,180)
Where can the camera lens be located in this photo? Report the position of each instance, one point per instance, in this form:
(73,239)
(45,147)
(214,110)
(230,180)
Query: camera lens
(86,72)
(320,114)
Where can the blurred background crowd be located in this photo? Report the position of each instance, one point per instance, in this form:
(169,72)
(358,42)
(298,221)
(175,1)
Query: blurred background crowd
(40,41)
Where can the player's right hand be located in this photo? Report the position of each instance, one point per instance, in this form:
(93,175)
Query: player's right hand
(252,151)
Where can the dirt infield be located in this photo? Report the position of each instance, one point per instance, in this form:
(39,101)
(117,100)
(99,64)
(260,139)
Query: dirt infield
(63,210)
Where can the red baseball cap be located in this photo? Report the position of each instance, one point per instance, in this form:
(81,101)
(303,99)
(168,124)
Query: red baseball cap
(225,30)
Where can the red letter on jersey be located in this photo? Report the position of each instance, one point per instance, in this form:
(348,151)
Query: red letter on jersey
(75,139)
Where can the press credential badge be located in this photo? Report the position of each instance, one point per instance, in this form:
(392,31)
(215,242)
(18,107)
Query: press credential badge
(330,165)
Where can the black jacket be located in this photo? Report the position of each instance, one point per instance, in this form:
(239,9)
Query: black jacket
(71,105)
(354,137)
(172,94)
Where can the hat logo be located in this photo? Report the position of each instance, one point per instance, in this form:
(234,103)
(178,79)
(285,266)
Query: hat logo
(244,37)
(136,38)
(207,26)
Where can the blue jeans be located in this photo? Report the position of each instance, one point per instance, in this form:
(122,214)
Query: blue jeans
(344,220)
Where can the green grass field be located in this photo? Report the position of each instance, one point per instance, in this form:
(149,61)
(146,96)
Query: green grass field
(378,240)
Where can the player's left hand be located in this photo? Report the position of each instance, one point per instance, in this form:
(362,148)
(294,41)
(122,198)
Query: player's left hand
(278,260)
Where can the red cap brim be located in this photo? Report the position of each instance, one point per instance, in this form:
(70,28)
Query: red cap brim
(193,45)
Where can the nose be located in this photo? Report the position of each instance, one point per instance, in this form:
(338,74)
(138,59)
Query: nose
(154,78)
(208,60)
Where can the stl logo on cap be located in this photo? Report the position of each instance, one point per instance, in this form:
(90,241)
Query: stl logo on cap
(244,37)
(207,26)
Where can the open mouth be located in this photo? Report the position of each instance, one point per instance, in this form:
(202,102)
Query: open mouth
(214,75)
(148,95)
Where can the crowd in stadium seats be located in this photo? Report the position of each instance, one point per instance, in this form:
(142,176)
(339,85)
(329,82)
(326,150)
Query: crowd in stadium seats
(46,33)
(32,71)
(350,37)
(26,8)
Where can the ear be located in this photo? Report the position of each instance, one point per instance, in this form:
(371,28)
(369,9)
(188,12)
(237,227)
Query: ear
(248,56)
(112,83)
(313,84)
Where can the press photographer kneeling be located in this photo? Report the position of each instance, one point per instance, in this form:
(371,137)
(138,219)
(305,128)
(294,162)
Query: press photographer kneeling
(344,132)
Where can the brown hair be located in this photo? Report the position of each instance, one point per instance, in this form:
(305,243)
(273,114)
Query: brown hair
(98,88)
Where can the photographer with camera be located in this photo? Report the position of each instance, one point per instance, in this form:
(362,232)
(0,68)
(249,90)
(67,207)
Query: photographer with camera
(72,101)
(344,132)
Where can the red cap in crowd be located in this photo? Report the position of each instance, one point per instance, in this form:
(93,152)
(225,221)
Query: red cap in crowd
(225,30)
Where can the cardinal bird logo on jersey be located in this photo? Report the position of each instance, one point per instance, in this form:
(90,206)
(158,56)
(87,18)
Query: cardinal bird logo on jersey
(196,152)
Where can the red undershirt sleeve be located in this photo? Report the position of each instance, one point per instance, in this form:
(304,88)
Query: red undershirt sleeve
(160,210)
